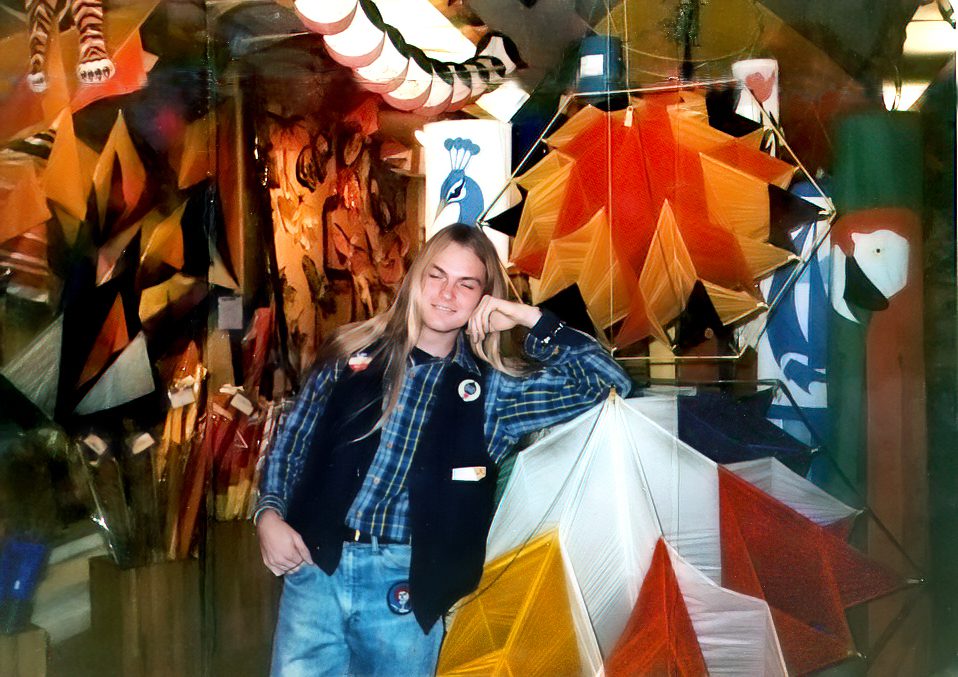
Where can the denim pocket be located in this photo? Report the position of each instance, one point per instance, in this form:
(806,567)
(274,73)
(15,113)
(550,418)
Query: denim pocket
(396,556)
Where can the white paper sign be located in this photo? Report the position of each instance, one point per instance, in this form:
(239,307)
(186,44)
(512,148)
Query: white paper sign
(230,312)
(468,162)
(591,65)
(758,81)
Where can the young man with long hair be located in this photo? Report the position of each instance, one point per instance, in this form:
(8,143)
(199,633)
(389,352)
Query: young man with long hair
(378,495)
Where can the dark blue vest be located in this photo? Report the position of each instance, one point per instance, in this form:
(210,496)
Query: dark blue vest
(449,520)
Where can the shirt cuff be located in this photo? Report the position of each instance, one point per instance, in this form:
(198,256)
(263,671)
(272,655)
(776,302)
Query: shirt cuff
(550,332)
(269,502)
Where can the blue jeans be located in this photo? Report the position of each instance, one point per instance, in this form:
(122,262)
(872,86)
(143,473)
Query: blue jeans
(342,624)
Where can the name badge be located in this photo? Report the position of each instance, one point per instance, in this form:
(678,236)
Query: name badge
(469,474)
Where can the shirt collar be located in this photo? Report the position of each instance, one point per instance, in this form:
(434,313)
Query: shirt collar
(461,354)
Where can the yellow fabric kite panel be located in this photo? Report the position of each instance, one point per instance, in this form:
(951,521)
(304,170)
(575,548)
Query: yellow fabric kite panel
(605,283)
(668,276)
(692,131)
(540,215)
(162,242)
(119,151)
(109,254)
(561,268)
(762,258)
(519,621)
(65,180)
(544,170)
(732,305)
(193,161)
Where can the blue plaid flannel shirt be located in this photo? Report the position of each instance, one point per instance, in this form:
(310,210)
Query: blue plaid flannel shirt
(577,373)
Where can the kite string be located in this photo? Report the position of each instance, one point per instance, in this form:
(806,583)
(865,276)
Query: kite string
(608,174)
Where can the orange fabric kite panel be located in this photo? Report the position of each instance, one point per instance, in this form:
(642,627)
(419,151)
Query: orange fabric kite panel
(545,170)
(22,203)
(715,251)
(730,305)
(65,180)
(578,123)
(659,638)
(191,160)
(773,552)
(113,338)
(736,187)
(537,224)
(762,258)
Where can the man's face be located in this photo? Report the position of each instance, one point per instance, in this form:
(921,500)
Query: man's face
(451,289)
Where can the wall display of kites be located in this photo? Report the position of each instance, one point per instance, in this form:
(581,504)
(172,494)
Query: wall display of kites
(748,560)
(149,486)
(657,218)
(356,36)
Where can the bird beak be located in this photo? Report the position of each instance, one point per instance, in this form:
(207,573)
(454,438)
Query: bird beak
(442,205)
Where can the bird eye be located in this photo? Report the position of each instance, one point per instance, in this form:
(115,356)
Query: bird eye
(457,191)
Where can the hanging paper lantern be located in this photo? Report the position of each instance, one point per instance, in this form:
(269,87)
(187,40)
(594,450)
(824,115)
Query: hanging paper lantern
(389,69)
(415,88)
(361,42)
(326,17)
(440,92)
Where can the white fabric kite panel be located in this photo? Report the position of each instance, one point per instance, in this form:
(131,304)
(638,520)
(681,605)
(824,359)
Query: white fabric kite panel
(588,646)
(35,371)
(609,529)
(129,377)
(735,632)
(584,481)
(612,482)
(775,479)
(536,484)
(684,487)
(663,409)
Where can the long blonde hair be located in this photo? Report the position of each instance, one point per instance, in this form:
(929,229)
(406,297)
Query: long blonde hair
(394,333)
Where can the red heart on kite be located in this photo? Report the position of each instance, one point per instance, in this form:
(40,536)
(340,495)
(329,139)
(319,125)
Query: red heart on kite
(760,86)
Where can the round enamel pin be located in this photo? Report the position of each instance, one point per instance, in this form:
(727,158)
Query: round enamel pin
(469,390)
(398,598)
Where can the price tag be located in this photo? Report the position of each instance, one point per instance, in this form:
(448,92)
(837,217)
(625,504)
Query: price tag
(240,403)
(141,443)
(96,443)
(180,397)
